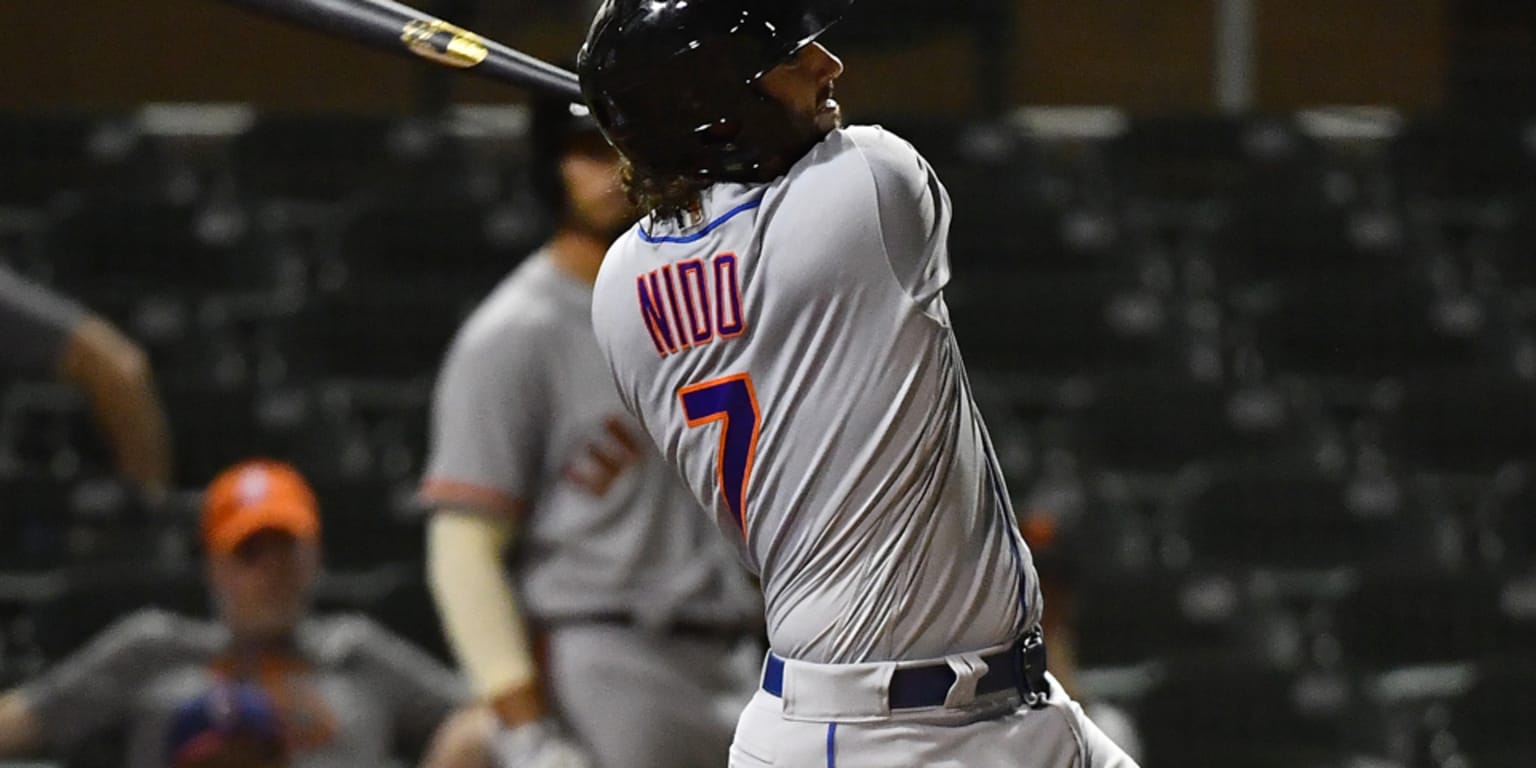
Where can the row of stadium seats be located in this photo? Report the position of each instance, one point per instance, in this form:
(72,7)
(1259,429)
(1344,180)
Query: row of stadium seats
(1277,375)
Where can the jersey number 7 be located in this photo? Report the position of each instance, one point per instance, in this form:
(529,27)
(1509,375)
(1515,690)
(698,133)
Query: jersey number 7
(732,401)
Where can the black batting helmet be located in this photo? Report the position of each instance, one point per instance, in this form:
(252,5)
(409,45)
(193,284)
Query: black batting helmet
(672,83)
(553,124)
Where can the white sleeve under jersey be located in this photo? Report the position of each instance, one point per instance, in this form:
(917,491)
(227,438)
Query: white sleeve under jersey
(791,355)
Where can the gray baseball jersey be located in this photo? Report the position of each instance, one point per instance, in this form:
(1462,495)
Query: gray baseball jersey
(351,695)
(525,411)
(790,352)
(34,326)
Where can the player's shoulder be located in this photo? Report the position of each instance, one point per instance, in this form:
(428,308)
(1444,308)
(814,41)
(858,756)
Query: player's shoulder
(516,310)
(342,639)
(849,164)
(158,631)
(625,256)
(868,145)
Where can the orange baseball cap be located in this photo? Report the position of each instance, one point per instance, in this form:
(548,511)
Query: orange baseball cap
(256,496)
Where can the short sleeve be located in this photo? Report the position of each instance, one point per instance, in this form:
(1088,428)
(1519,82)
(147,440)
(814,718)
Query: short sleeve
(914,211)
(94,688)
(35,324)
(487,419)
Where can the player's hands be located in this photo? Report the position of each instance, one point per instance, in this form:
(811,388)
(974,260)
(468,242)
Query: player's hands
(536,744)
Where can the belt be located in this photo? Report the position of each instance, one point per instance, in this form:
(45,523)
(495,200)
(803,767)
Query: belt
(697,630)
(1021,668)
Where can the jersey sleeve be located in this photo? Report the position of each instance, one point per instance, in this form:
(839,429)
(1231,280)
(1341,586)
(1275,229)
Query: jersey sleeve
(35,324)
(913,209)
(96,686)
(487,420)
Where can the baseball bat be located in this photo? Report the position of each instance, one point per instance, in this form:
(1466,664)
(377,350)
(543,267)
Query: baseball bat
(392,26)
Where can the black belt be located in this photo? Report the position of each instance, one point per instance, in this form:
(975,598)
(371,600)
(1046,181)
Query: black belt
(697,630)
(1020,667)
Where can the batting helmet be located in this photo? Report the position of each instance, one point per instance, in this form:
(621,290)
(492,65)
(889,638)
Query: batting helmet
(672,83)
(552,125)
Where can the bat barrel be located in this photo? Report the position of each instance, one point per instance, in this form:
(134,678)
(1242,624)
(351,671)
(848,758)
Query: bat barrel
(391,25)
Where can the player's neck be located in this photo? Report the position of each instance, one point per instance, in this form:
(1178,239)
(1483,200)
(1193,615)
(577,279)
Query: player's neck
(577,253)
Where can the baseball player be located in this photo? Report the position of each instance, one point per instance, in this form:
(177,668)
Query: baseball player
(776,322)
(640,607)
(44,335)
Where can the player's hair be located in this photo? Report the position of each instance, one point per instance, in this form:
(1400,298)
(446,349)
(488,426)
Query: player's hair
(663,196)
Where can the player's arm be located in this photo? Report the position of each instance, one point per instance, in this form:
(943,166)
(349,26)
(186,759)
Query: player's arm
(480,616)
(463,741)
(90,689)
(45,335)
(479,611)
(21,735)
(115,375)
(488,438)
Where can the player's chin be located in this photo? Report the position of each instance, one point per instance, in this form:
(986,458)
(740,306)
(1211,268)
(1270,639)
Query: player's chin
(829,120)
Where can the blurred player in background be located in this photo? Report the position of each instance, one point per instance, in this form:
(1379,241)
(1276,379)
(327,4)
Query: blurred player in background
(777,323)
(346,690)
(46,336)
(624,616)
(232,725)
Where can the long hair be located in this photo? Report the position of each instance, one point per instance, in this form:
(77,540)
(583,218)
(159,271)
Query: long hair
(663,197)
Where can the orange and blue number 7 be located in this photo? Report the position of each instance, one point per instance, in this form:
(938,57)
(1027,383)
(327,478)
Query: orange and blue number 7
(733,401)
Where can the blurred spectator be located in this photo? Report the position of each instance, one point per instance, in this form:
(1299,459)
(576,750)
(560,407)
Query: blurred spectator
(230,726)
(347,692)
(47,336)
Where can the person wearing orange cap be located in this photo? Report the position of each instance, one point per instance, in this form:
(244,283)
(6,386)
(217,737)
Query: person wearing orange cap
(346,690)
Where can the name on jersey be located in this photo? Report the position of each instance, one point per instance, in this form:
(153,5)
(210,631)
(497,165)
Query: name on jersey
(690,303)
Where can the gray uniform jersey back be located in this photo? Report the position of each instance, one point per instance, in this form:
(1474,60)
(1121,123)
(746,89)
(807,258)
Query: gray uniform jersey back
(525,413)
(790,352)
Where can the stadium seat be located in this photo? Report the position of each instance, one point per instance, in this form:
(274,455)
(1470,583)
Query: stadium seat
(1151,423)
(366,524)
(1241,716)
(1362,331)
(124,256)
(1467,422)
(1397,620)
(211,429)
(439,252)
(1461,159)
(1492,722)
(308,158)
(1061,327)
(1138,618)
(41,157)
(46,431)
(34,515)
(1193,159)
(1264,514)
(337,337)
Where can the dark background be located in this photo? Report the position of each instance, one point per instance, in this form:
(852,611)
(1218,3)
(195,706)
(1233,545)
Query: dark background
(1264,372)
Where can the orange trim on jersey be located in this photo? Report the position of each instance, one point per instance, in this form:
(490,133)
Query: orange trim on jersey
(722,416)
(440,493)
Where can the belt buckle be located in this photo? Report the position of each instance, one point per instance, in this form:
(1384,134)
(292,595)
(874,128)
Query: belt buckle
(1036,688)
